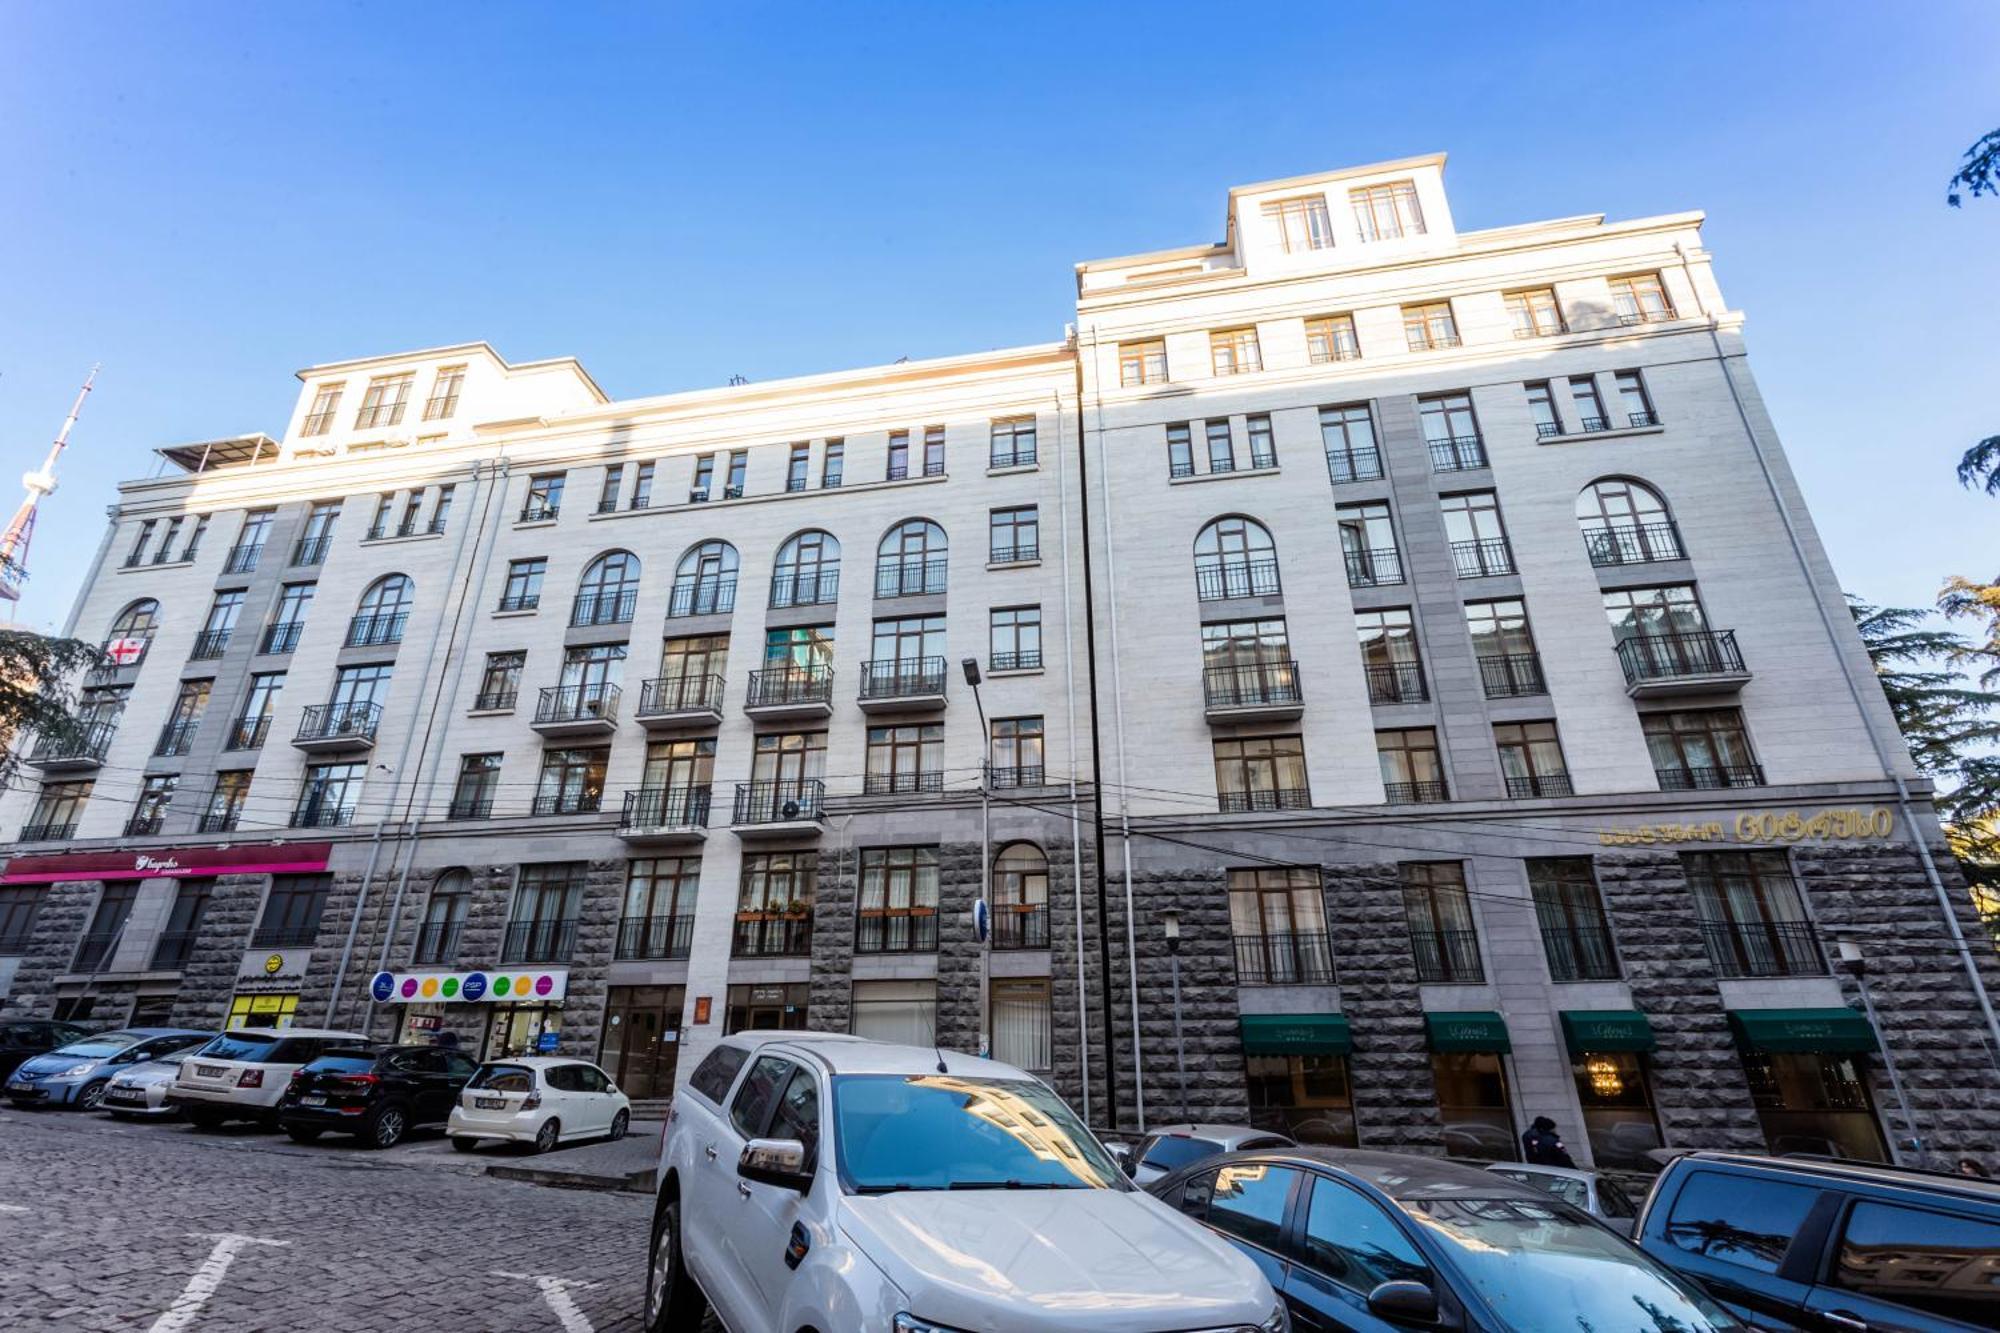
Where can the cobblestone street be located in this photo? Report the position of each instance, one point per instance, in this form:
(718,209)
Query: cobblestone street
(124,1226)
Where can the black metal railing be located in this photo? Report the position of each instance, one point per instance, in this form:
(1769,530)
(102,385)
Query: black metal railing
(283,937)
(900,932)
(1548,430)
(1447,955)
(1705,652)
(90,743)
(583,802)
(1710,777)
(1345,465)
(1482,559)
(1015,775)
(1415,793)
(1396,683)
(1537,329)
(1634,420)
(520,601)
(493,701)
(1284,958)
(577,703)
(1020,927)
(282,637)
(1236,578)
(655,937)
(1644,316)
(1457,453)
(1429,342)
(249,733)
(703,595)
(790,686)
(242,559)
(376,532)
(1376,568)
(311,550)
(1580,953)
(539,511)
(177,737)
(1028,661)
(680,694)
(93,951)
(816,586)
(322,814)
(335,722)
(1633,544)
(550,941)
(911,578)
(787,935)
(377,630)
(778,802)
(218,821)
(1264,798)
(902,784)
(209,645)
(1591,425)
(172,950)
(1763,948)
(1180,467)
(1527,786)
(437,942)
(902,678)
(145,826)
(1510,675)
(48,831)
(604,608)
(666,807)
(478,805)
(436,526)
(1015,552)
(1023,456)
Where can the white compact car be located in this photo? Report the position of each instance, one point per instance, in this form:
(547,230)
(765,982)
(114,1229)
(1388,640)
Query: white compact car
(818,1181)
(142,1089)
(539,1099)
(241,1074)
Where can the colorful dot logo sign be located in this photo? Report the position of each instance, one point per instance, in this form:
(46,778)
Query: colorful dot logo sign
(384,986)
(474,987)
(544,984)
(450,987)
(409,988)
(430,987)
(500,985)
(522,985)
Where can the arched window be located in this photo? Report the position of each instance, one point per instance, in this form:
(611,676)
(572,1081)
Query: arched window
(808,572)
(705,581)
(444,918)
(383,612)
(1235,557)
(911,560)
(1020,897)
(608,590)
(1625,522)
(137,621)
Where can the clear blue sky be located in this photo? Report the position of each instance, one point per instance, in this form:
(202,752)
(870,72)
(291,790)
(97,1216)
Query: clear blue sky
(207,197)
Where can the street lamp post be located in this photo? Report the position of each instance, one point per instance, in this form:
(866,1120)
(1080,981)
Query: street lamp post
(1855,964)
(970,666)
(1170,924)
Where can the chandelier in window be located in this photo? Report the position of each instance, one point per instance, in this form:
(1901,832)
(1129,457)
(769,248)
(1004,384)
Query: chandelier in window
(1605,1078)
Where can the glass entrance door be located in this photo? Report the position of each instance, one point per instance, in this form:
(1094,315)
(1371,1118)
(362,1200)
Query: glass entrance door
(642,1039)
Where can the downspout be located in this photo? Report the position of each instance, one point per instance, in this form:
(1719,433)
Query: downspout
(1882,755)
(1069,743)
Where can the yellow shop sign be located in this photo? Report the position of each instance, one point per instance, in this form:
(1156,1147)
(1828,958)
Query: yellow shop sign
(1760,827)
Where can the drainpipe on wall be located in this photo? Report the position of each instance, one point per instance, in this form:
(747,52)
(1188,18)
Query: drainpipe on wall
(1069,743)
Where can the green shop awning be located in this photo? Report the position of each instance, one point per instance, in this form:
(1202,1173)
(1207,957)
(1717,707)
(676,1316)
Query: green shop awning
(1296,1034)
(1606,1030)
(1838,1030)
(1468,1030)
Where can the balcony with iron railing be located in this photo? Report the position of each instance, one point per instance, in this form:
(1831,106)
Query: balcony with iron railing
(79,752)
(1591,425)
(902,684)
(774,934)
(702,595)
(914,931)
(218,821)
(1017,661)
(1640,420)
(177,737)
(1482,559)
(779,806)
(209,645)
(1396,683)
(1421,341)
(520,601)
(1014,553)
(172,950)
(538,509)
(907,782)
(679,701)
(1580,953)
(581,801)
(350,726)
(655,937)
(1284,958)
(1529,786)
(1710,777)
(281,638)
(812,586)
(577,710)
(1447,956)
(1692,661)
(48,831)
(1645,316)
(1238,691)
(1349,465)
(437,942)
(93,951)
(1415,793)
(612,607)
(311,550)
(496,701)
(911,578)
(1264,799)
(249,733)
(1763,948)
(548,941)
(322,814)
(476,805)
(1223,580)
(1512,675)
(377,630)
(1633,544)
(1003,777)
(1457,453)
(1020,926)
(1548,430)
(242,559)
(665,814)
(147,825)
(1380,567)
(790,692)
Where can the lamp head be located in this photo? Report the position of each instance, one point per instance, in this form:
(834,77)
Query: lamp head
(971,668)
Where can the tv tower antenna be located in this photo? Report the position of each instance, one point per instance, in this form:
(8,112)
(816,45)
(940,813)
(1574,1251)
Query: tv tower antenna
(14,542)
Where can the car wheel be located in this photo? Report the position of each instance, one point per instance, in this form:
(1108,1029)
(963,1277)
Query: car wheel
(673,1302)
(619,1124)
(465,1145)
(548,1135)
(386,1129)
(91,1095)
(303,1133)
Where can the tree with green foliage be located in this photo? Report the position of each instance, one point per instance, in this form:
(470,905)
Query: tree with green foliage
(38,681)
(1981,172)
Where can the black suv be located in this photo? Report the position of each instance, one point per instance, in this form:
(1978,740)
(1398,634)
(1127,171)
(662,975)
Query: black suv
(24,1038)
(378,1093)
(1826,1245)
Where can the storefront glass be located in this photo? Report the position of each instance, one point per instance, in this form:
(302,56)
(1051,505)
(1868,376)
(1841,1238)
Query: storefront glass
(1472,1102)
(1305,1096)
(1617,1109)
(642,1029)
(516,1029)
(761,1008)
(263,1011)
(1814,1102)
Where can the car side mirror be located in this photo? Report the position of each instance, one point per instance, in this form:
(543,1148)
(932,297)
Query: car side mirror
(780,1162)
(1404,1303)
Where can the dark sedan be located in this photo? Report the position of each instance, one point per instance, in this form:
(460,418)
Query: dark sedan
(1373,1242)
(24,1038)
(377,1093)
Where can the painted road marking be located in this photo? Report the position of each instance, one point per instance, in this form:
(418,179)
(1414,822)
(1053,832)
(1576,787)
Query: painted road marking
(556,1290)
(187,1306)
(12,1208)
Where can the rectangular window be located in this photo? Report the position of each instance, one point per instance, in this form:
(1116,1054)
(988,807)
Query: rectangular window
(679,764)
(1013,443)
(1302,224)
(548,898)
(1430,326)
(176,942)
(140,542)
(642,486)
(1531,759)
(1668,611)
(903,1012)
(1368,544)
(607,494)
(1263,450)
(1589,407)
(897,908)
(17,916)
(1015,535)
(830,464)
(1640,299)
(1022,1033)
(524,584)
(413,505)
(1412,771)
(904,759)
(1234,351)
(383,402)
(1014,758)
(253,725)
(292,911)
(799,646)
(217,629)
(1278,918)
(500,682)
(442,509)
(1442,933)
(1701,749)
(739,466)
(704,477)
(1180,450)
(788,759)
(696,657)
(1479,547)
(1386,212)
(545,494)
(326,402)
(242,557)
(1632,398)
(934,451)
(225,802)
(775,904)
(1332,339)
(572,781)
(1752,918)
(58,806)
(1244,643)
(1535,313)
(107,925)
(177,736)
(166,551)
(443,401)
(1451,431)
(1542,409)
(1504,647)
(378,526)
(798,467)
(902,644)
(478,783)
(1221,446)
(193,546)
(1016,639)
(899,455)
(1575,934)
(1348,434)
(149,812)
(1261,773)
(1142,362)
(1390,661)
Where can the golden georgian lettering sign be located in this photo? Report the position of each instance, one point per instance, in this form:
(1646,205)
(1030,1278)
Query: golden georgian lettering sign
(1763,828)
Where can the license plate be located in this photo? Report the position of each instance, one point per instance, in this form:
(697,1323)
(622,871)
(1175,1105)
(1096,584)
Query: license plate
(212,1071)
(20,1087)
(490,1103)
(313,1099)
(126,1095)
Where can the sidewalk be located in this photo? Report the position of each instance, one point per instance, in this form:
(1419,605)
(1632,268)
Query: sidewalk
(625,1165)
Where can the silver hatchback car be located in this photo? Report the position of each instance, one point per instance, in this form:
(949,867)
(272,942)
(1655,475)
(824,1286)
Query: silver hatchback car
(1171,1147)
(141,1091)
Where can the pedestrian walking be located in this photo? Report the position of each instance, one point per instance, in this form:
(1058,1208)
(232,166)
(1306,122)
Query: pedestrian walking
(1543,1146)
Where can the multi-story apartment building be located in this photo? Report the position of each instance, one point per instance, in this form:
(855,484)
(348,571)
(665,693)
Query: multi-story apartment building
(1421,630)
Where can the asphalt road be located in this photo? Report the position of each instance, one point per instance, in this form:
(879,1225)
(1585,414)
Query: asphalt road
(152,1226)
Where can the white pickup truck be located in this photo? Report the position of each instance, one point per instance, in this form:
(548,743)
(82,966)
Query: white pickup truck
(812,1183)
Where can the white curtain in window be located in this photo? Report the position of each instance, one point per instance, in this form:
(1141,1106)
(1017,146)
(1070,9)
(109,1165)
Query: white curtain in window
(1021,1024)
(895,1011)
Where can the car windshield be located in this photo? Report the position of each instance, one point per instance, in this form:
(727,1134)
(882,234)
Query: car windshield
(100,1045)
(504,1078)
(239,1046)
(1540,1267)
(944,1131)
(1567,1188)
(1170,1152)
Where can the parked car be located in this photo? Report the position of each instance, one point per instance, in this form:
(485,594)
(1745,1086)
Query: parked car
(1592,1191)
(376,1093)
(22,1038)
(1175,1146)
(538,1099)
(76,1074)
(241,1074)
(817,1181)
(1792,1243)
(1375,1242)
(141,1091)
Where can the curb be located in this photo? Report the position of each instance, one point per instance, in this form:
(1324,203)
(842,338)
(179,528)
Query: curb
(632,1182)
